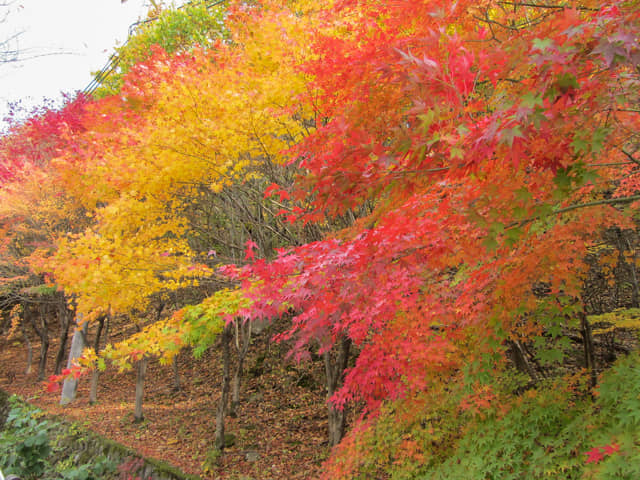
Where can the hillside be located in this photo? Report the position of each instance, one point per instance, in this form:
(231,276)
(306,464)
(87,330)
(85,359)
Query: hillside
(282,417)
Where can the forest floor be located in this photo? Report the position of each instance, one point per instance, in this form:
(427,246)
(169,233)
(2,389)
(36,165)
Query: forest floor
(280,429)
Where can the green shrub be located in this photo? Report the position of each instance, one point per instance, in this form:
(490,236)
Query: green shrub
(27,449)
(24,443)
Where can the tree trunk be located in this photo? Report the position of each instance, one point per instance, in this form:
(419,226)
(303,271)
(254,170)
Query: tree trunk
(93,392)
(243,340)
(235,389)
(43,332)
(65,321)
(520,359)
(635,293)
(224,394)
(27,370)
(589,356)
(142,372)
(70,385)
(176,374)
(334,368)
(42,364)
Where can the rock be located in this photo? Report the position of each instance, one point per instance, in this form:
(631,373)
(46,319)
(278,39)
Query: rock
(251,456)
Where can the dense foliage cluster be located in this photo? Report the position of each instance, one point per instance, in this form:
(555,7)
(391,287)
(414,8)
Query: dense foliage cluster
(439,198)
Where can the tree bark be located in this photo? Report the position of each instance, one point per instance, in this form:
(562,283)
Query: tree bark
(27,370)
(589,356)
(65,321)
(93,391)
(176,374)
(520,359)
(224,394)
(142,372)
(70,385)
(334,368)
(243,340)
(635,294)
(43,332)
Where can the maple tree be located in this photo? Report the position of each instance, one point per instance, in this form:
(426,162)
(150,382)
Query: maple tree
(479,164)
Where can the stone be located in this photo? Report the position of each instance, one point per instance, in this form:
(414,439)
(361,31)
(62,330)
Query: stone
(251,456)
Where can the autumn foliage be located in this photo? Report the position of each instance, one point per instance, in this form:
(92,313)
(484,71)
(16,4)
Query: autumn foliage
(416,186)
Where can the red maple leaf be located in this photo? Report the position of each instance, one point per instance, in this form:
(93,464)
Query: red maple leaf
(594,455)
(249,252)
(611,449)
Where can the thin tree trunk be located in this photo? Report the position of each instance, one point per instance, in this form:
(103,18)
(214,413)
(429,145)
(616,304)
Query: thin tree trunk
(42,364)
(224,394)
(243,340)
(334,369)
(176,374)
(93,391)
(589,356)
(43,333)
(235,389)
(142,372)
(65,321)
(27,370)
(521,361)
(70,385)
(635,294)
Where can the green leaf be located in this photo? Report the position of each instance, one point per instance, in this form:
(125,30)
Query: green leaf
(456,152)
(513,235)
(508,134)
(567,81)
(530,100)
(542,43)
(562,179)
(598,139)
(490,243)
(580,144)
(427,120)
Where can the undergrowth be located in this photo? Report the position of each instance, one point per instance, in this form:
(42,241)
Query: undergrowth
(32,447)
(561,429)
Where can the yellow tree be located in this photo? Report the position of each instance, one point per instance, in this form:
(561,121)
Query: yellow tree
(184,131)
(193,122)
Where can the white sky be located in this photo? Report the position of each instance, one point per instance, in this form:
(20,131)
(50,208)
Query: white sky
(81,34)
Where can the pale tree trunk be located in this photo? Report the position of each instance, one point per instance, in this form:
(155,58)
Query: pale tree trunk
(138,416)
(95,375)
(243,340)
(224,394)
(70,385)
(335,366)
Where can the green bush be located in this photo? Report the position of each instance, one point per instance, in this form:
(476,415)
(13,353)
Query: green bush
(556,431)
(24,443)
(27,449)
